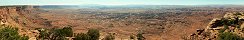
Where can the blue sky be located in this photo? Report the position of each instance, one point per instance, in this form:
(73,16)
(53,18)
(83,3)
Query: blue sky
(121,2)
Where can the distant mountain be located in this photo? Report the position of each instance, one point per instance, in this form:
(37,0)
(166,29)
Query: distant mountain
(110,6)
(56,6)
(130,6)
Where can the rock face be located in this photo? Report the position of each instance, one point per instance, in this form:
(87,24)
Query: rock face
(231,22)
(11,16)
(6,14)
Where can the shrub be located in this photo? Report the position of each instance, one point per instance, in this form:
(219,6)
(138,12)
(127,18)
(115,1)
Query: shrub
(229,36)
(44,33)
(227,22)
(226,27)
(222,22)
(140,36)
(8,33)
(60,34)
(230,22)
(94,34)
(82,36)
(221,30)
(67,31)
(24,38)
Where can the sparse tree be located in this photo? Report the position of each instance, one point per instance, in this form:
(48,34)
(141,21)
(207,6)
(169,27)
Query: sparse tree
(140,36)
(44,33)
(60,34)
(9,33)
(94,34)
(82,36)
(229,36)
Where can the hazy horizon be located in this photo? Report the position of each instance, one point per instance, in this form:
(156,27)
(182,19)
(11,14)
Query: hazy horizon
(121,2)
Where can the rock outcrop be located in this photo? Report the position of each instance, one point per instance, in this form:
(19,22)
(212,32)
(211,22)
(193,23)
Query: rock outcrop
(11,16)
(231,22)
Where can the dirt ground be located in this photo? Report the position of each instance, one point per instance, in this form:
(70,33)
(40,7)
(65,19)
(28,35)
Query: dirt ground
(160,24)
(154,25)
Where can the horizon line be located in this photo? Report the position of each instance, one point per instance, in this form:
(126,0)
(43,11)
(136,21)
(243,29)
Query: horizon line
(116,5)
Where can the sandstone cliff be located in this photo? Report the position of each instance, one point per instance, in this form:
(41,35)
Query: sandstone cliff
(13,16)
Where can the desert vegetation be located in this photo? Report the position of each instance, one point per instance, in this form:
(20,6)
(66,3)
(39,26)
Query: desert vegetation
(229,27)
(10,33)
(63,33)
(140,36)
(223,35)
(229,36)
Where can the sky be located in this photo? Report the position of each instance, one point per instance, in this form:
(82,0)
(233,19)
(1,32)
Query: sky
(122,2)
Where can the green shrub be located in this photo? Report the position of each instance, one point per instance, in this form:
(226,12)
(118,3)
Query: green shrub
(222,22)
(227,22)
(44,33)
(55,34)
(8,33)
(94,34)
(140,36)
(231,22)
(226,27)
(82,36)
(221,30)
(24,38)
(60,34)
(229,36)
(67,31)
